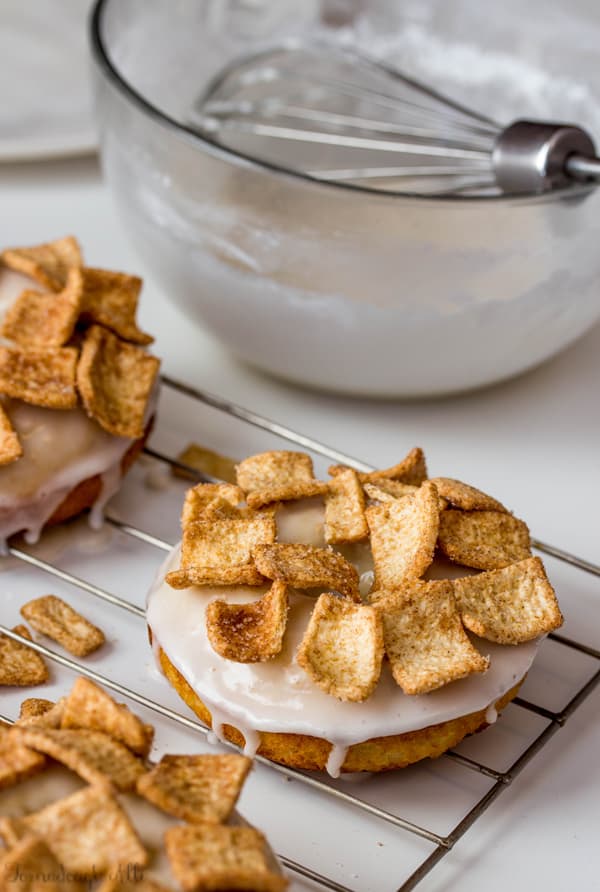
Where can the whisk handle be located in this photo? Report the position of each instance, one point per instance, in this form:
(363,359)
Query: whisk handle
(583,168)
(533,156)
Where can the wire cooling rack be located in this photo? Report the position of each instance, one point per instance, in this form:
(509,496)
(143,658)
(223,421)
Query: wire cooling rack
(475,773)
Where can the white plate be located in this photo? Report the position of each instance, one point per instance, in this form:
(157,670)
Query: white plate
(45,101)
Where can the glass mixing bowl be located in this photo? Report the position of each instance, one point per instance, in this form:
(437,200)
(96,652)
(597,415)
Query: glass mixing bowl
(336,287)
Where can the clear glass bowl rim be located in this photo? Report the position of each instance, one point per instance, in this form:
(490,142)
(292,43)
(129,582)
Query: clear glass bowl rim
(102,58)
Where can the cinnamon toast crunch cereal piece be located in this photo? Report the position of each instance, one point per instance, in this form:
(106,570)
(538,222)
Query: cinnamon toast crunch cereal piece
(19,664)
(345,519)
(40,377)
(306,566)
(55,618)
(277,476)
(217,550)
(88,832)
(196,788)
(342,648)
(424,639)
(93,755)
(205,461)
(111,299)
(252,632)
(38,713)
(17,762)
(386,490)
(30,866)
(487,540)
(115,380)
(90,706)
(10,447)
(44,320)
(412,470)
(510,605)
(465,497)
(211,857)
(403,536)
(48,264)
(119,882)
(203,495)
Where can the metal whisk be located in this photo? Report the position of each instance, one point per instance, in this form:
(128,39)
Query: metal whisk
(334,114)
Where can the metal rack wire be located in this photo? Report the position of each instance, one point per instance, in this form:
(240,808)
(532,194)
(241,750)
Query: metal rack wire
(443,844)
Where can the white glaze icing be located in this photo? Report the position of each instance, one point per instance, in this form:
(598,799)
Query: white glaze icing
(491,714)
(278,696)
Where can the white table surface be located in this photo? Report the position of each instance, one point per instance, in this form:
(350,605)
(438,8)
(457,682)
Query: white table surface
(533,442)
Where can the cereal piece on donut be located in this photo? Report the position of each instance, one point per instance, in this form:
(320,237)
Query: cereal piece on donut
(89,706)
(88,832)
(386,490)
(196,788)
(424,638)
(249,633)
(510,605)
(306,566)
(215,856)
(10,447)
(55,618)
(277,476)
(110,299)
(17,762)
(487,540)
(205,461)
(115,380)
(403,536)
(93,755)
(38,714)
(412,470)
(44,320)
(467,498)
(345,519)
(342,648)
(30,866)
(19,664)
(217,550)
(48,264)
(40,377)
(203,495)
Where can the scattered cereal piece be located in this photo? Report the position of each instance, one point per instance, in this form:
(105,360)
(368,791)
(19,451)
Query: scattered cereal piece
(342,648)
(277,476)
(35,713)
(17,762)
(201,496)
(305,566)
(205,461)
(249,633)
(510,605)
(30,866)
(10,447)
(196,788)
(55,618)
(40,377)
(19,664)
(487,540)
(424,639)
(115,380)
(466,497)
(403,536)
(44,320)
(88,832)
(111,299)
(89,706)
(48,264)
(210,857)
(217,550)
(345,519)
(93,755)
